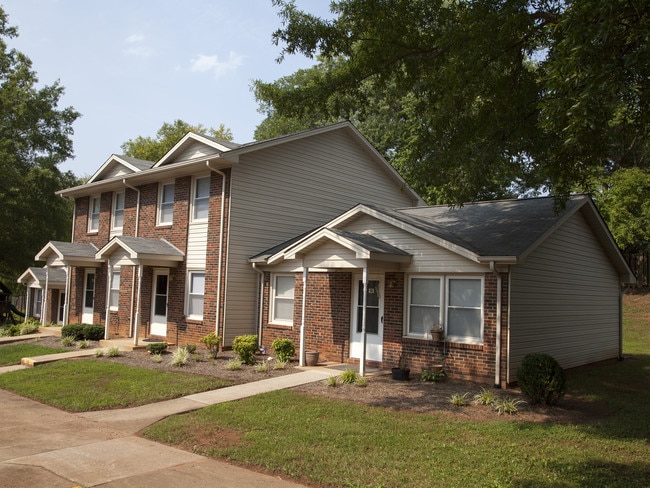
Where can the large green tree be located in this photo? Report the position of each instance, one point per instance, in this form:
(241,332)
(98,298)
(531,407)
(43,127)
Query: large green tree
(34,140)
(476,99)
(153,148)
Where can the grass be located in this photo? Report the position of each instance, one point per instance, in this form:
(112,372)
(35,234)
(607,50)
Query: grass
(334,443)
(12,353)
(83,385)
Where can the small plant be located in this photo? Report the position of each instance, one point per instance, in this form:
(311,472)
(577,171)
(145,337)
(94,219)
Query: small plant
(234,365)
(113,352)
(191,348)
(485,397)
(29,327)
(156,358)
(93,332)
(72,330)
(541,379)
(459,400)
(180,357)
(83,344)
(332,381)
(157,347)
(507,405)
(211,342)
(99,353)
(279,364)
(245,346)
(261,367)
(349,377)
(362,381)
(67,341)
(432,375)
(284,349)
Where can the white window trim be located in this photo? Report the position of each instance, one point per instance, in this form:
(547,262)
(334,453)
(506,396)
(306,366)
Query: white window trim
(425,335)
(465,339)
(161,187)
(90,213)
(114,209)
(272,319)
(194,187)
(115,306)
(188,286)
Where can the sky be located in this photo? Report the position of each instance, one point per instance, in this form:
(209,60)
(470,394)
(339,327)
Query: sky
(129,66)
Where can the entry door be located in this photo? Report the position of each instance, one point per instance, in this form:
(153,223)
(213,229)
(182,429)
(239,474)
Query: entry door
(61,308)
(87,316)
(159,301)
(374,319)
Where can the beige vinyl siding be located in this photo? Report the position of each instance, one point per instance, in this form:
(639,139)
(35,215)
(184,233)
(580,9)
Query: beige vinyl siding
(565,300)
(286,190)
(194,150)
(197,241)
(332,255)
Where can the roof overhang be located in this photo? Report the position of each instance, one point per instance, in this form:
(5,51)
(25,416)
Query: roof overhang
(39,277)
(134,251)
(56,253)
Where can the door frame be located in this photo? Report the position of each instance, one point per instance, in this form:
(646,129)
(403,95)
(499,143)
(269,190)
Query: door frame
(374,342)
(158,327)
(88,314)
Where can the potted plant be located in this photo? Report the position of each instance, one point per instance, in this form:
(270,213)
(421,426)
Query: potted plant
(402,371)
(436,332)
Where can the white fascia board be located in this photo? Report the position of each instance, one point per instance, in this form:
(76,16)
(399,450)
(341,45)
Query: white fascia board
(113,158)
(196,137)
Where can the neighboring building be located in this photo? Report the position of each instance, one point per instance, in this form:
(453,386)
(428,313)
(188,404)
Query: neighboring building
(502,278)
(46,307)
(161,249)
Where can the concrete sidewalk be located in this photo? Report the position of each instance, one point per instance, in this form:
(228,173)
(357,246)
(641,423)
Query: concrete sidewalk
(41,446)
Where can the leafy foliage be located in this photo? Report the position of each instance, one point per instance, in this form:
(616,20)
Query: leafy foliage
(541,379)
(245,346)
(211,341)
(34,140)
(156,348)
(93,332)
(284,349)
(73,330)
(475,100)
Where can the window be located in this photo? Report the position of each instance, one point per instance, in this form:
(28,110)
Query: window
(196,290)
(166,204)
(282,304)
(424,305)
(115,289)
(201,198)
(93,214)
(38,302)
(118,210)
(465,309)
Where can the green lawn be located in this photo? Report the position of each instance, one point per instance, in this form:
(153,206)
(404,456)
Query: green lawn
(90,384)
(12,353)
(347,445)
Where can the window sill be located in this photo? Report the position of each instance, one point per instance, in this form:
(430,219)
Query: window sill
(279,324)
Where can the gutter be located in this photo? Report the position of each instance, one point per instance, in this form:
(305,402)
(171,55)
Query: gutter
(497,355)
(260,301)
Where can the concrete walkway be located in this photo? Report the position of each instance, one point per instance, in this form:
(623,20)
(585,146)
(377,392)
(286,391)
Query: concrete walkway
(41,446)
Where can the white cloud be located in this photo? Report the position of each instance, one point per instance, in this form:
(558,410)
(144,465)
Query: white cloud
(135,46)
(203,63)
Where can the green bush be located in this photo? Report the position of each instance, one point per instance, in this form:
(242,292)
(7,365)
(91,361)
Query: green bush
(245,346)
(157,347)
(93,332)
(284,349)
(190,348)
(211,341)
(73,330)
(541,379)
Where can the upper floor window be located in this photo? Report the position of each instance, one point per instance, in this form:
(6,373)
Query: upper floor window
(282,303)
(118,210)
(201,198)
(166,204)
(93,214)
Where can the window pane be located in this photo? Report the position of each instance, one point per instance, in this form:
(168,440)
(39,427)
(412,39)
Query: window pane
(202,188)
(465,293)
(168,193)
(283,309)
(422,318)
(197,283)
(425,291)
(197,290)
(196,305)
(94,213)
(464,322)
(372,320)
(167,213)
(284,286)
(115,289)
(90,290)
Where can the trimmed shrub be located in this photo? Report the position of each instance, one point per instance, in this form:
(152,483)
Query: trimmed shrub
(211,341)
(93,332)
(73,330)
(245,346)
(156,347)
(541,379)
(284,349)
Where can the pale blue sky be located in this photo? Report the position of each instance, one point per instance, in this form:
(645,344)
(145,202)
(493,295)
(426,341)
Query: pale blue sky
(128,66)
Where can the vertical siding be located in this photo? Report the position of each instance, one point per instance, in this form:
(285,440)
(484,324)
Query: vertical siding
(286,190)
(565,300)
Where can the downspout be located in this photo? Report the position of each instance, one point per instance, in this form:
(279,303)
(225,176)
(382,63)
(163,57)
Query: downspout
(508,328)
(137,310)
(220,261)
(362,362)
(68,271)
(109,284)
(305,272)
(497,358)
(623,291)
(137,227)
(260,302)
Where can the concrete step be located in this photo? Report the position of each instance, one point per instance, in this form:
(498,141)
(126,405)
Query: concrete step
(48,358)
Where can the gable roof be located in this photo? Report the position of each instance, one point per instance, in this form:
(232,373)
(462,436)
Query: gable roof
(217,145)
(68,254)
(142,249)
(119,166)
(38,276)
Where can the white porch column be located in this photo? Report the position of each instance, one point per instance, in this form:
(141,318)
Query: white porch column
(44,301)
(137,308)
(362,361)
(305,272)
(66,306)
(28,302)
(109,283)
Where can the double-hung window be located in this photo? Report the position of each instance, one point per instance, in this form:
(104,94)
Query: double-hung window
(201,198)
(118,210)
(424,305)
(166,204)
(465,309)
(115,289)
(282,302)
(195,294)
(93,214)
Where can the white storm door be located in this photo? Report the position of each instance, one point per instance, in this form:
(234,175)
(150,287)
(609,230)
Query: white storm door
(87,316)
(159,302)
(374,319)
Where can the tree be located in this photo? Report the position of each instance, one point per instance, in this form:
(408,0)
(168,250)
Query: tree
(34,140)
(152,149)
(480,99)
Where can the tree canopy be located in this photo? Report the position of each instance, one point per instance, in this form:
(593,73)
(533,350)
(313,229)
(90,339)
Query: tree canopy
(476,99)
(34,140)
(152,149)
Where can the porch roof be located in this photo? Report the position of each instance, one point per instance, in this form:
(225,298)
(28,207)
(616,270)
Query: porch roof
(140,250)
(58,253)
(36,277)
